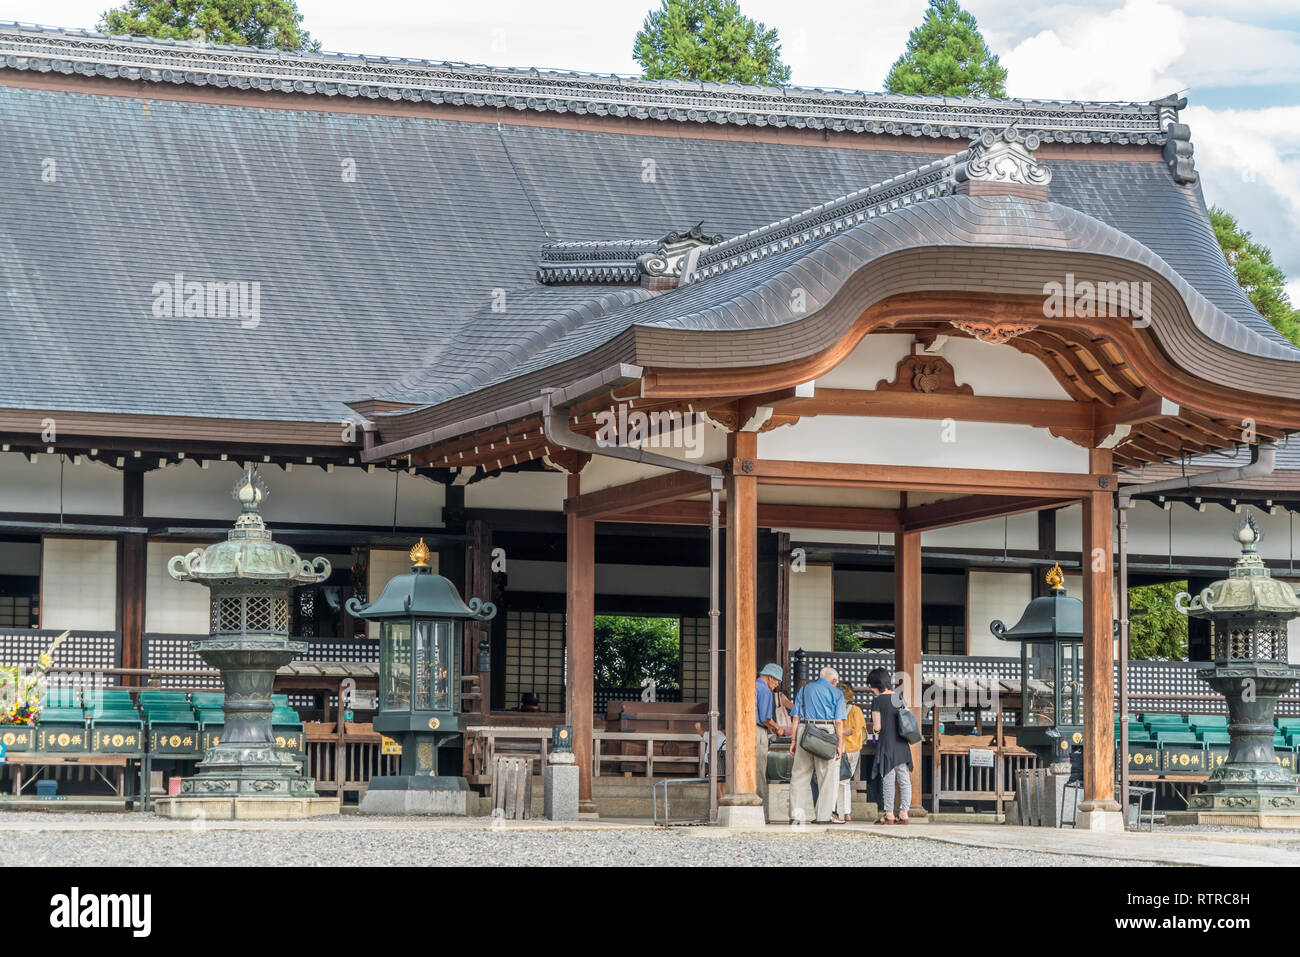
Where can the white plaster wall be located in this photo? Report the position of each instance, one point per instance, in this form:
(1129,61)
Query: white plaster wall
(79,583)
(812,608)
(886,441)
(346,496)
(1209,533)
(995,595)
(172,607)
(988,369)
(1021,532)
(90,488)
(812,495)
(833,537)
(540,491)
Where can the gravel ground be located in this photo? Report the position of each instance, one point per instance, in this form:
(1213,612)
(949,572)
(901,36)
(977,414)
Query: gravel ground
(394,843)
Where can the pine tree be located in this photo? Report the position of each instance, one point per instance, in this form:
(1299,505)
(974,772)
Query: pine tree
(1263,280)
(947,56)
(708,40)
(271,24)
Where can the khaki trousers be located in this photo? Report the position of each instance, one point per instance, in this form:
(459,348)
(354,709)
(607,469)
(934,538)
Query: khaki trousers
(760,759)
(827,772)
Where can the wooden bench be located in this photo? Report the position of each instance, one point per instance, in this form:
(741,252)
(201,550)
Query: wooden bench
(95,763)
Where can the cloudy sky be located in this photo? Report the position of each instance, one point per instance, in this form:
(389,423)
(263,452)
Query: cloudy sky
(1239,63)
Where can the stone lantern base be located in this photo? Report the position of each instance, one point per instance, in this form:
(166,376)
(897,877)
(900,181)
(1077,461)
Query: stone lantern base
(245,808)
(1250,789)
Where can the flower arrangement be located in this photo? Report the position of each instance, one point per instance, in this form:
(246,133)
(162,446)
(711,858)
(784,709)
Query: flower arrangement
(23,693)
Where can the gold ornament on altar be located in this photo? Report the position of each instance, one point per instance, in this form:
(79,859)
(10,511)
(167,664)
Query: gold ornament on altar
(420,554)
(1056,577)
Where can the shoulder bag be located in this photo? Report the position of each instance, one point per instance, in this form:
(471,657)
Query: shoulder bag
(908,728)
(818,742)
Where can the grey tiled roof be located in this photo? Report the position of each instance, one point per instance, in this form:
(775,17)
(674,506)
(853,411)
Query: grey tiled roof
(759,294)
(83,52)
(387,284)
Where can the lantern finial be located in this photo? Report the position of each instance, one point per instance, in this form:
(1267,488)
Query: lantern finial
(420,554)
(1056,577)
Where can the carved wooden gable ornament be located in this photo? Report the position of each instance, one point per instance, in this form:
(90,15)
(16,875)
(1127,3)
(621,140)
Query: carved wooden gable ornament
(924,373)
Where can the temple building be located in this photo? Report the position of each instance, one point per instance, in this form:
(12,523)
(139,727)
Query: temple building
(920,345)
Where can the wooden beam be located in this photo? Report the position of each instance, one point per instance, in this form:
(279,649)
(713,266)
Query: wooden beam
(580,645)
(907,633)
(636,495)
(1044,413)
(1098,649)
(974,508)
(924,478)
(834,517)
(742,622)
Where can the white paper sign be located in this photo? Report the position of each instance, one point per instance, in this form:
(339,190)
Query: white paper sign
(981,757)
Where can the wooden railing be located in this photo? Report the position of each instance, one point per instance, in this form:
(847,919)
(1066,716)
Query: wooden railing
(346,763)
(954,778)
(641,750)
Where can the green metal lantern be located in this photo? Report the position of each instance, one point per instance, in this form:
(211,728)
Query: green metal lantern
(421,617)
(1249,611)
(1050,633)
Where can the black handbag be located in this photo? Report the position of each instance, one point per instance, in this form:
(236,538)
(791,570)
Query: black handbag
(908,727)
(846,769)
(819,742)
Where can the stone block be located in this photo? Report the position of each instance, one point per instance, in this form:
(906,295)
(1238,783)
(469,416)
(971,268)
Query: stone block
(560,792)
(445,802)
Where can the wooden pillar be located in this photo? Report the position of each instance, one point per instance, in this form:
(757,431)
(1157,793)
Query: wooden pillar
(742,624)
(580,641)
(478,584)
(907,634)
(134,568)
(1099,810)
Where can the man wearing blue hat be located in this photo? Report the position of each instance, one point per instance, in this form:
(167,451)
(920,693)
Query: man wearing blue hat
(769,679)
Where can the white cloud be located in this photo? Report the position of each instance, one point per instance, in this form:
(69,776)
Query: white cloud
(1249,161)
(1122,54)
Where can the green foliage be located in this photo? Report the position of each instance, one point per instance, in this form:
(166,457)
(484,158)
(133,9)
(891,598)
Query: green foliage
(629,650)
(708,40)
(273,24)
(1253,265)
(845,638)
(947,56)
(1162,631)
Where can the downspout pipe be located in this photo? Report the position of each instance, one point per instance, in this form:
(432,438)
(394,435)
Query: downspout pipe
(555,425)
(1263,459)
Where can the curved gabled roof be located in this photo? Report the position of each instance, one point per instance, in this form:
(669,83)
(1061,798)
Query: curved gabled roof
(798,302)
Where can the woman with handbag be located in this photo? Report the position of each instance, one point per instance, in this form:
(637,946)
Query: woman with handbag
(855,726)
(893,751)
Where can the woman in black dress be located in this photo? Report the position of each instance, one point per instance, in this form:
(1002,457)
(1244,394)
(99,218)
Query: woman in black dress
(893,754)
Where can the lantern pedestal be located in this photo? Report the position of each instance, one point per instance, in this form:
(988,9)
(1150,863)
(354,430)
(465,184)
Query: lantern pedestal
(406,794)
(1250,789)
(246,776)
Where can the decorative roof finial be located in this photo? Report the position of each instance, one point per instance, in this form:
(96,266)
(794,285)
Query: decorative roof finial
(1249,534)
(420,554)
(1056,577)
